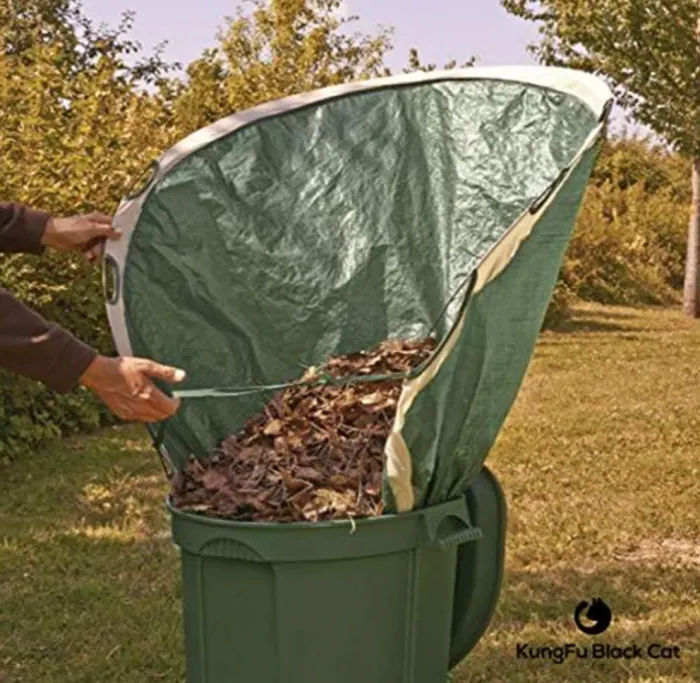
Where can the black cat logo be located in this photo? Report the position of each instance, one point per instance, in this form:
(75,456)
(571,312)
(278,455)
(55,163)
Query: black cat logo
(598,613)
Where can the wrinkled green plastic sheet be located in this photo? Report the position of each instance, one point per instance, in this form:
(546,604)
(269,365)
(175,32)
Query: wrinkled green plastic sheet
(329,228)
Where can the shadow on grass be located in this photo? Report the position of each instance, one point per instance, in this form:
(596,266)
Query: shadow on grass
(616,319)
(590,325)
(103,476)
(618,312)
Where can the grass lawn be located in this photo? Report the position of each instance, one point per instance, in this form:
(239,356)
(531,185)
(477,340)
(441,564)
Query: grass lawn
(599,459)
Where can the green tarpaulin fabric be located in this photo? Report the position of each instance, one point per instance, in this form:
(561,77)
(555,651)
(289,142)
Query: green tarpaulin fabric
(325,224)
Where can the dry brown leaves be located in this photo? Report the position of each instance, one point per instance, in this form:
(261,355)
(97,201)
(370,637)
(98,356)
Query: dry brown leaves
(314,453)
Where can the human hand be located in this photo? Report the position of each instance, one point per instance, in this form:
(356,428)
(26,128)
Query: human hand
(124,385)
(86,234)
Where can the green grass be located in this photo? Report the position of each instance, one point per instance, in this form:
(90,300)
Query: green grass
(599,459)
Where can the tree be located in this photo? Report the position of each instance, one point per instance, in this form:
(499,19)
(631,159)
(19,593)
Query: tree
(649,51)
(25,24)
(70,95)
(276,48)
(415,64)
(77,126)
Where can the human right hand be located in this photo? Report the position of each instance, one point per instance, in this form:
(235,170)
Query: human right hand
(124,385)
(86,234)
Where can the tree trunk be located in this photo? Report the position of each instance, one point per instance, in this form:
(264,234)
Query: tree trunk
(691,290)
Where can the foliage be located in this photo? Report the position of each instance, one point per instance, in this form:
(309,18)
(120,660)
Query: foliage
(415,64)
(647,49)
(560,307)
(629,247)
(629,242)
(30,415)
(72,139)
(279,48)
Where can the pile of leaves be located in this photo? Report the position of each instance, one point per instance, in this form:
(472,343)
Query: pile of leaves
(314,453)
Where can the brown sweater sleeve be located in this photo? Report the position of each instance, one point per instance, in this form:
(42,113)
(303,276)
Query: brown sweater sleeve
(29,345)
(21,229)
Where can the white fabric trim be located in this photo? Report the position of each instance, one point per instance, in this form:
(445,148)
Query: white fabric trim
(125,219)
(397,457)
(588,88)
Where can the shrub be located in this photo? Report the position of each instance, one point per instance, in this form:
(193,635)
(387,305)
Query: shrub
(75,128)
(628,245)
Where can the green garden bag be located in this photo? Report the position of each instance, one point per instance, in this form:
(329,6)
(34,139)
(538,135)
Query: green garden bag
(323,223)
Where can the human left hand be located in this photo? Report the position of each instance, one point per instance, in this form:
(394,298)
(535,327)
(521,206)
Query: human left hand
(86,234)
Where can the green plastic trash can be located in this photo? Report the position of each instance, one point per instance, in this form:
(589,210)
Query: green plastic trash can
(341,602)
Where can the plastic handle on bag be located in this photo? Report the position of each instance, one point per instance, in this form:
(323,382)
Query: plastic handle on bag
(110,276)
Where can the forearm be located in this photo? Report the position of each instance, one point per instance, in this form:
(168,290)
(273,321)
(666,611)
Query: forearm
(21,229)
(35,348)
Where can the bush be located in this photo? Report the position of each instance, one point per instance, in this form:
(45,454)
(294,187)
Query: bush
(31,415)
(76,128)
(628,245)
(65,291)
(559,308)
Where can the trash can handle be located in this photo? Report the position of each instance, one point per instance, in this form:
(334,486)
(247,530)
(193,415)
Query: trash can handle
(459,537)
(450,530)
